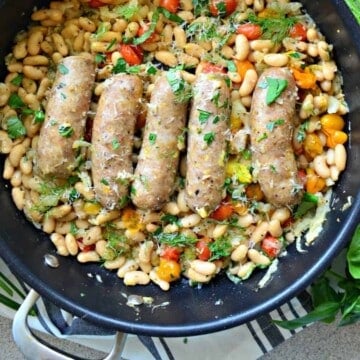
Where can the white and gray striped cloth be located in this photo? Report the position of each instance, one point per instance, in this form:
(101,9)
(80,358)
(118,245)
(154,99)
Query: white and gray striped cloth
(251,340)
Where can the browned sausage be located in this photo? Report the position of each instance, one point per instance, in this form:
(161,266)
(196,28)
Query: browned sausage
(113,137)
(66,113)
(272,128)
(206,150)
(155,173)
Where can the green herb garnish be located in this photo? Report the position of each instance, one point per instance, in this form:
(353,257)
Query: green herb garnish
(65,130)
(175,239)
(127,11)
(209,137)
(15,127)
(179,86)
(275,88)
(308,202)
(152,138)
(15,101)
(271,125)
(63,69)
(17,80)
(203,116)
(220,247)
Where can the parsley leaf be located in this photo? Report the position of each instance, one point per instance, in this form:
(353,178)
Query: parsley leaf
(220,247)
(100,58)
(175,239)
(65,130)
(115,144)
(209,137)
(63,69)
(179,86)
(15,128)
(271,125)
(262,137)
(17,80)
(275,88)
(15,101)
(127,11)
(203,116)
(152,138)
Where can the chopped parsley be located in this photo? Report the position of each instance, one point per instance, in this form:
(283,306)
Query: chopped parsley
(220,247)
(209,137)
(115,144)
(171,219)
(101,30)
(17,80)
(100,58)
(203,116)
(73,195)
(271,125)
(104,182)
(122,66)
(200,7)
(175,239)
(274,28)
(179,86)
(15,101)
(308,202)
(73,228)
(262,137)
(151,70)
(301,133)
(152,138)
(63,69)
(295,55)
(275,88)
(15,127)
(111,44)
(231,66)
(127,11)
(65,130)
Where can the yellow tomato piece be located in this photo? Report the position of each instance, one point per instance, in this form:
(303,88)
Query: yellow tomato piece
(314,183)
(335,137)
(240,171)
(312,145)
(332,121)
(168,270)
(131,219)
(92,208)
(305,79)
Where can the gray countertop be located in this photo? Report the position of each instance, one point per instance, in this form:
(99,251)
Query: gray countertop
(317,342)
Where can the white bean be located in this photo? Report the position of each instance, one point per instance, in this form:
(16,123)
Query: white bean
(203,267)
(340,157)
(257,258)
(259,232)
(242,47)
(239,253)
(320,166)
(190,220)
(276,59)
(164,285)
(249,82)
(130,265)
(132,278)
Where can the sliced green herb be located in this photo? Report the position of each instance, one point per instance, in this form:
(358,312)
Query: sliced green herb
(209,137)
(104,182)
(63,69)
(271,125)
(115,144)
(15,101)
(275,88)
(65,130)
(175,239)
(220,247)
(200,7)
(39,116)
(151,70)
(127,11)
(111,44)
(120,66)
(221,6)
(100,58)
(123,201)
(179,86)
(170,219)
(73,228)
(152,138)
(262,137)
(246,154)
(308,202)
(295,55)
(274,28)
(15,127)
(101,30)
(301,133)
(17,80)
(216,119)
(231,66)
(170,16)
(203,116)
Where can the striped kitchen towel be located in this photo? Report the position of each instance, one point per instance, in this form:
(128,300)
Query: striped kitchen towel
(251,340)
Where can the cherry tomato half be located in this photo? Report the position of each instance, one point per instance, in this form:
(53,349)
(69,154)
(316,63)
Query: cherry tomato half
(271,246)
(222,7)
(202,249)
(251,31)
(96,4)
(170,5)
(223,211)
(298,31)
(170,253)
(132,54)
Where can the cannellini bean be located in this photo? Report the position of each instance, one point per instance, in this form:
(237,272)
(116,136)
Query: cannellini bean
(275,228)
(261,45)
(245,270)
(259,232)
(146,249)
(15,180)
(59,241)
(242,47)
(340,157)
(130,265)
(281,214)
(16,153)
(189,220)
(9,170)
(60,211)
(246,220)
(171,208)
(239,253)
(166,57)
(88,256)
(34,41)
(92,235)
(203,267)
(249,82)
(276,59)
(164,285)
(320,166)
(197,277)
(219,230)
(133,278)
(48,225)
(18,196)
(115,264)
(71,244)
(104,217)
(257,258)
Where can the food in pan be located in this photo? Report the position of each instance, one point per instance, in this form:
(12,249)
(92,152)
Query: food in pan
(173,140)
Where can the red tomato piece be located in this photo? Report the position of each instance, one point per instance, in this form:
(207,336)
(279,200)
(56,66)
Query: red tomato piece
(302,176)
(251,31)
(271,246)
(223,211)
(95,3)
(298,31)
(208,68)
(170,5)
(203,250)
(132,54)
(222,7)
(170,253)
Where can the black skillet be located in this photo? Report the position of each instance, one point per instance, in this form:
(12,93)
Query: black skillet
(221,304)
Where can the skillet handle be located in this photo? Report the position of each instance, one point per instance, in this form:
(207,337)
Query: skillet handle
(32,348)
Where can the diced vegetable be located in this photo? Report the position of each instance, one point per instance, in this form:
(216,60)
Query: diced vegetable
(170,253)
(132,54)
(251,31)
(271,246)
(170,5)
(202,249)
(312,145)
(223,211)
(96,3)
(168,270)
(298,31)
(305,79)
(222,7)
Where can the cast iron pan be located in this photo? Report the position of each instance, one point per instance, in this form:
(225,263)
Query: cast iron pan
(221,304)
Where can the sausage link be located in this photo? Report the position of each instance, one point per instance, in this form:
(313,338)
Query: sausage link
(272,127)
(112,139)
(206,154)
(66,113)
(158,161)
